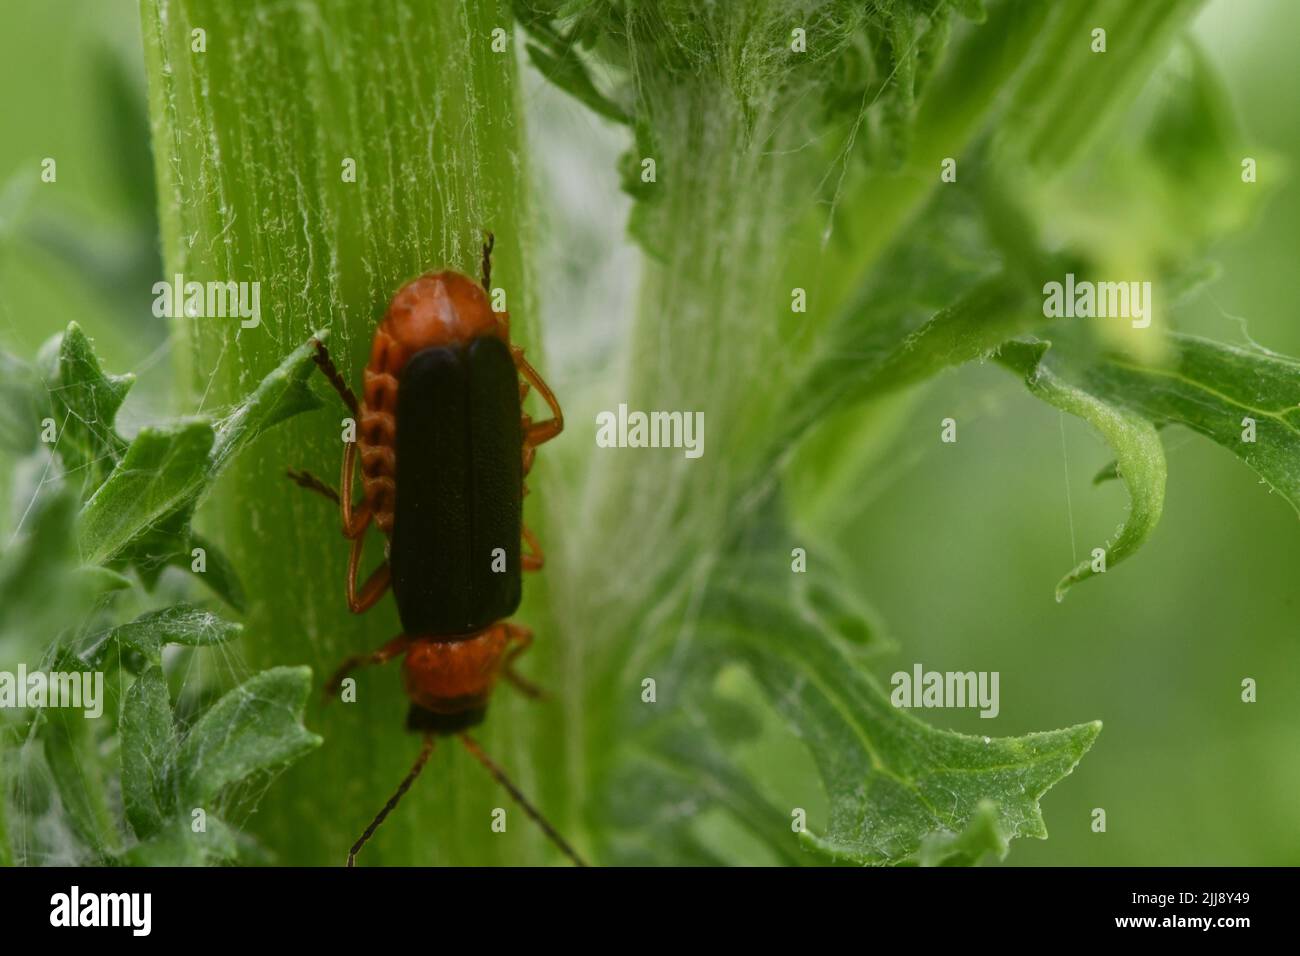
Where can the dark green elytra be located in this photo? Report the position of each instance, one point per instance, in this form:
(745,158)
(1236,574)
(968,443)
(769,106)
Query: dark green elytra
(458,512)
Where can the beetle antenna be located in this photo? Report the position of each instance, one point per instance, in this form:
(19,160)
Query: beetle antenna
(489,241)
(404,786)
(327,366)
(500,776)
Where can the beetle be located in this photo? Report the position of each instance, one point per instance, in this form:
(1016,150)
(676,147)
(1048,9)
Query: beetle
(444,446)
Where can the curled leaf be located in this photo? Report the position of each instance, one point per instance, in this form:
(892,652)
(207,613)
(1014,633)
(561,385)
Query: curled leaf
(1139,455)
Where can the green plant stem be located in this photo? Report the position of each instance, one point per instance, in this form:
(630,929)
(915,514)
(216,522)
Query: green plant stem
(6,852)
(250,140)
(714,305)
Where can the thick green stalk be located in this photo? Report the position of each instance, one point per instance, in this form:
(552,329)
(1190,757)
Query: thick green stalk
(252,140)
(713,304)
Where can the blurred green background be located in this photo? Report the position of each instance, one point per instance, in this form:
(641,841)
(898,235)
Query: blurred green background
(1186,772)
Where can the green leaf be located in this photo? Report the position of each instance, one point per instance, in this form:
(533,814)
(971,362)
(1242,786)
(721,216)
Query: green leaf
(79,775)
(981,841)
(220,575)
(150,632)
(85,409)
(563,68)
(163,544)
(1139,455)
(148,748)
(1193,136)
(141,514)
(1212,388)
(969,328)
(23,404)
(256,726)
(895,784)
(171,543)
(281,395)
(1110,471)
(939,299)
(899,790)
(177,844)
(45,552)
(101,580)
(680,772)
(162,471)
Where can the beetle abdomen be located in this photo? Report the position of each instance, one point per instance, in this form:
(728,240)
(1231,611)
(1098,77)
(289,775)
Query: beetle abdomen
(457,516)
(439,309)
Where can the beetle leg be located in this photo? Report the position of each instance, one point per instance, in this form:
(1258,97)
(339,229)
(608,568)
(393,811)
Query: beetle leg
(375,585)
(309,481)
(394,648)
(355,522)
(489,241)
(508,785)
(532,559)
(522,639)
(530,452)
(331,372)
(539,432)
(425,750)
